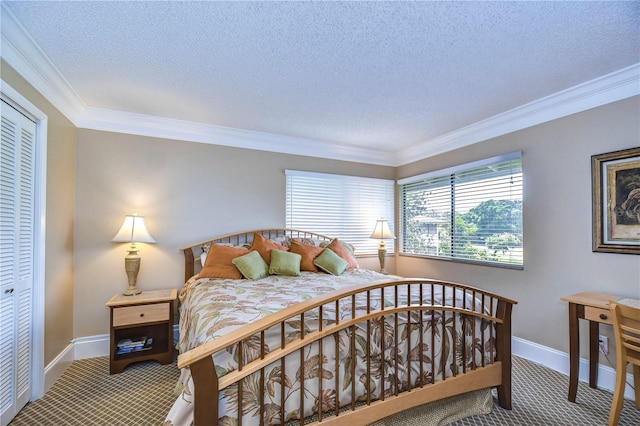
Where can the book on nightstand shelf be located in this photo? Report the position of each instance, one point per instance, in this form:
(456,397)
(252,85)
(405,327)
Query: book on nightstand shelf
(126,346)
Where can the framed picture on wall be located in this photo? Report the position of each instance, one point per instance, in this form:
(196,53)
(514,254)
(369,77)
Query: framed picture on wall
(616,201)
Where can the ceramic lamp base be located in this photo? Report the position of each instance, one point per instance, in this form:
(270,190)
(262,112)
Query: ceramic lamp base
(132,266)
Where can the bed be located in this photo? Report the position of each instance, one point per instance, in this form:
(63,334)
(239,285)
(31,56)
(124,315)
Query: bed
(327,346)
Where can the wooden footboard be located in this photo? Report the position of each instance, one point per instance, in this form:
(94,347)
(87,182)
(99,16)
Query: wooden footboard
(402,379)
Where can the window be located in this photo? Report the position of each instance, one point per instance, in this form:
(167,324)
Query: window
(340,206)
(469,213)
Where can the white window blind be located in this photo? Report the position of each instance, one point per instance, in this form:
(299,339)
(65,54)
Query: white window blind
(471,213)
(340,206)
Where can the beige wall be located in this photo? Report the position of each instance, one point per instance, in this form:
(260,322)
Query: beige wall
(61,162)
(187,191)
(557,221)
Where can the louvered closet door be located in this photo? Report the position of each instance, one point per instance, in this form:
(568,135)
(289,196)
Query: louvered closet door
(17,172)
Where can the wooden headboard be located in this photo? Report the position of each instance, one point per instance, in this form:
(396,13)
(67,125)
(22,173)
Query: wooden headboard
(192,253)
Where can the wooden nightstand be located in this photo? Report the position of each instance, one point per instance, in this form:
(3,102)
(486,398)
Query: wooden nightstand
(141,328)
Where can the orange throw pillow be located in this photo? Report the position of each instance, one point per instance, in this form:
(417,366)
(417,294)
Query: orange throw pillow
(337,247)
(264,247)
(308,253)
(218,263)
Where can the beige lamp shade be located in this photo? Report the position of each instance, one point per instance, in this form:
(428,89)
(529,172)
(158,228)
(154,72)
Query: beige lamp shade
(133,230)
(382,232)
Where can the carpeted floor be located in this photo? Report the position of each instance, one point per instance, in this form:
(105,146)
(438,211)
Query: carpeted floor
(87,395)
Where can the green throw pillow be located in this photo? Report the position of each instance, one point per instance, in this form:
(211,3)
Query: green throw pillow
(330,262)
(251,265)
(284,263)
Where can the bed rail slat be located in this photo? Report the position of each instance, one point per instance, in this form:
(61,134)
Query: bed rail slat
(368,354)
(302,373)
(336,365)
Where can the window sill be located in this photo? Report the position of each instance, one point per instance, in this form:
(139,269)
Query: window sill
(467,261)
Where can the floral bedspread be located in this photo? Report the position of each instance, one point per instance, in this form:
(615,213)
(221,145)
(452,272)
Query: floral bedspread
(210,308)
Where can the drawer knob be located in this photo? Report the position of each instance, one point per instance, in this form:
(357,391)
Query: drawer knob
(142,314)
(603,316)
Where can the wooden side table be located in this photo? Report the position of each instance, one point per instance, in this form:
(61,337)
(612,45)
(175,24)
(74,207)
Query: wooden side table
(593,307)
(141,328)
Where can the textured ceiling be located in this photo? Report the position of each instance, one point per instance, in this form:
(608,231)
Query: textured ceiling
(378,75)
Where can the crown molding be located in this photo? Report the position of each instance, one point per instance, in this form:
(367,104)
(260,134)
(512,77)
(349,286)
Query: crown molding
(612,87)
(21,52)
(609,88)
(169,128)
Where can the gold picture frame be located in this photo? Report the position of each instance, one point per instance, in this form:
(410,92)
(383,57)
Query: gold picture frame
(616,201)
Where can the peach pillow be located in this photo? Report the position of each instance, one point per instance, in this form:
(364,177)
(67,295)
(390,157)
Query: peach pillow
(218,263)
(337,247)
(308,253)
(264,247)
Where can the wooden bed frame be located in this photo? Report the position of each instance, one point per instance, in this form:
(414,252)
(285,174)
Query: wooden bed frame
(496,373)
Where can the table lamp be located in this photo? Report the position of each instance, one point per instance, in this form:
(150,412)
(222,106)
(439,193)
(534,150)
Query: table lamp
(382,232)
(133,231)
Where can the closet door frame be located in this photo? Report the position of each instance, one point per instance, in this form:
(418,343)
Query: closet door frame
(11,96)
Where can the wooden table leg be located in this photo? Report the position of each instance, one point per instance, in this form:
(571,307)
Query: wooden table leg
(594,353)
(574,351)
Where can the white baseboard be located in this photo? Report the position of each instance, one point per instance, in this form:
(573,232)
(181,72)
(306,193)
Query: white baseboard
(559,361)
(93,346)
(55,368)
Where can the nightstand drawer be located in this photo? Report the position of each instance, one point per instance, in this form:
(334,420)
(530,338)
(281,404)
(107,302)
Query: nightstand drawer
(598,314)
(141,314)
